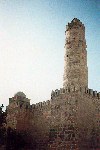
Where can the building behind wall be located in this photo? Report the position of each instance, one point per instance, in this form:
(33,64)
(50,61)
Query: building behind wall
(70,120)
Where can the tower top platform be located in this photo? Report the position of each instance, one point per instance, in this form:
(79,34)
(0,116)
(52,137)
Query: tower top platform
(74,22)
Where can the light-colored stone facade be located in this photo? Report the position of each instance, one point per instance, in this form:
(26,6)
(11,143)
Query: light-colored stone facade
(75,69)
(70,120)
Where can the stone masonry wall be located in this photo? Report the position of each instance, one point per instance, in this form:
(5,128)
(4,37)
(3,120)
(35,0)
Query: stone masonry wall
(66,121)
(67,109)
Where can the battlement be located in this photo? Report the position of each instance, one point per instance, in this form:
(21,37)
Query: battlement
(40,104)
(61,91)
(55,94)
(92,93)
(88,91)
(74,22)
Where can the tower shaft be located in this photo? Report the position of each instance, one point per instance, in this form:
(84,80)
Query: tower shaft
(75,68)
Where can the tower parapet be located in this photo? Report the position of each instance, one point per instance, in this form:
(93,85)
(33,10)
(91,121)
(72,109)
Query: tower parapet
(75,68)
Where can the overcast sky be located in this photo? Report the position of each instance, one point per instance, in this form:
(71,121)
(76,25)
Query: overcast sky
(32,36)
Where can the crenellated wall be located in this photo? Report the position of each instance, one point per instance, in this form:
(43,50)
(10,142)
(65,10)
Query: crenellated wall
(59,92)
(80,108)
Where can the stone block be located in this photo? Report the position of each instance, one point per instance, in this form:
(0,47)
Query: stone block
(91,92)
(95,93)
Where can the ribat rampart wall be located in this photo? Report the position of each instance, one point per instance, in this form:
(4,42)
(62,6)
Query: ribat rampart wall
(67,107)
(70,114)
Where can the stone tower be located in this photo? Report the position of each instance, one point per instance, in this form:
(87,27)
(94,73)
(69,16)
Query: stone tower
(75,68)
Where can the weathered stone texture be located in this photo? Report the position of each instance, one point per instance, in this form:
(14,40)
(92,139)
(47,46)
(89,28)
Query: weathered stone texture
(66,121)
(75,69)
(70,120)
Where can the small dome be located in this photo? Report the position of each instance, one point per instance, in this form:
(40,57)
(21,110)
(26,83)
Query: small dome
(21,94)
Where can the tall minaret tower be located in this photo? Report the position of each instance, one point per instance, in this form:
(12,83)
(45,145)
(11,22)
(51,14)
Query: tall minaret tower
(75,69)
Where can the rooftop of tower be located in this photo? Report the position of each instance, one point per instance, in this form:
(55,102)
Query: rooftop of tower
(75,21)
